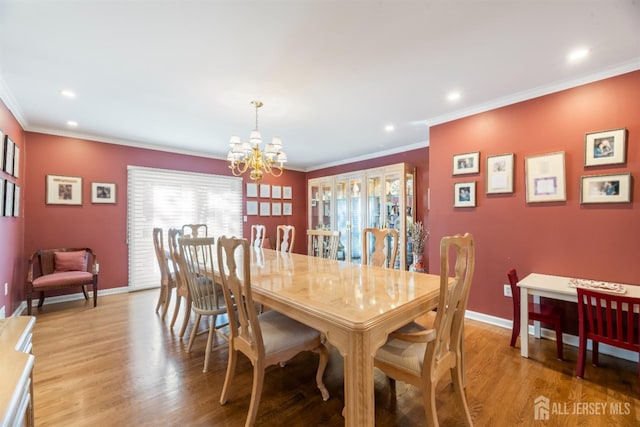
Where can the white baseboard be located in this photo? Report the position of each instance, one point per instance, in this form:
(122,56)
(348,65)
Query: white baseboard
(551,335)
(22,308)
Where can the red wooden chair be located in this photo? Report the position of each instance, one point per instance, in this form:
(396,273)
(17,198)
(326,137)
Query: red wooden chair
(544,313)
(607,318)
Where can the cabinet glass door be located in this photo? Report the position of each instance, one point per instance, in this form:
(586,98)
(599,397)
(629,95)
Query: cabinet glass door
(374,202)
(349,218)
(320,205)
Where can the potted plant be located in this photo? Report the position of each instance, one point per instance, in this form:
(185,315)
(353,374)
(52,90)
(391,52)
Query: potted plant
(418,236)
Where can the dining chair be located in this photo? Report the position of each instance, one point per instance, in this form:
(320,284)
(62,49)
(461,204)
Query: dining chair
(182,287)
(258,235)
(423,357)
(266,338)
(285,236)
(206,296)
(606,318)
(379,247)
(167,278)
(195,230)
(323,243)
(545,313)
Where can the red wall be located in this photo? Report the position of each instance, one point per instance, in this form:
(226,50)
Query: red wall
(103,227)
(12,258)
(563,238)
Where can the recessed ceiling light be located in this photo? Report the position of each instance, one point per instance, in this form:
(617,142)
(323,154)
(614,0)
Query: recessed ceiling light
(72,124)
(68,93)
(454,96)
(578,54)
(389,128)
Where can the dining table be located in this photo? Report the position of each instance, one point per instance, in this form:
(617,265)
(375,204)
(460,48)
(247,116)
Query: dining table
(559,288)
(354,306)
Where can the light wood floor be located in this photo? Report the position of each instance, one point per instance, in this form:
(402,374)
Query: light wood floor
(120,365)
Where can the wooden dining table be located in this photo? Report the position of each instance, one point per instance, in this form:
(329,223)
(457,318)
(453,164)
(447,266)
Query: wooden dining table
(354,306)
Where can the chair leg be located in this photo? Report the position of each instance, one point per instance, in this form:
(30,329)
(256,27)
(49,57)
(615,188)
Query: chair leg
(41,301)
(559,340)
(167,300)
(84,292)
(176,309)
(256,393)
(430,405)
(582,355)
(515,332)
(228,378)
(187,315)
(594,353)
(207,352)
(458,387)
(95,294)
(194,331)
(322,365)
(29,303)
(160,298)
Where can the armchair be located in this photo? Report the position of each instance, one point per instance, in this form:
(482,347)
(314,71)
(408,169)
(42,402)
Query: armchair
(61,268)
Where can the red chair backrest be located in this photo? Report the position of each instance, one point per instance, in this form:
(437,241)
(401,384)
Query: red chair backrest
(515,291)
(609,318)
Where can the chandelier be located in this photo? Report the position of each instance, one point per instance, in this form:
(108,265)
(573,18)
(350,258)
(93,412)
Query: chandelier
(244,156)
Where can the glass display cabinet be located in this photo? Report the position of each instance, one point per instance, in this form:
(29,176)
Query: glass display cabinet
(380,197)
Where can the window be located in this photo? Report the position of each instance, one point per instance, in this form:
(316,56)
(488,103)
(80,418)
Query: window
(166,198)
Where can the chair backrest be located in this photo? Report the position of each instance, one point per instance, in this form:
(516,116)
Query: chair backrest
(197,255)
(609,318)
(452,303)
(46,259)
(195,230)
(515,291)
(379,247)
(162,255)
(258,234)
(285,236)
(323,243)
(176,260)
(235,273)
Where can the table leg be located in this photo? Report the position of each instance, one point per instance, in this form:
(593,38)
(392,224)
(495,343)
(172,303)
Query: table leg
(524,322)
(358,388)
(536,324)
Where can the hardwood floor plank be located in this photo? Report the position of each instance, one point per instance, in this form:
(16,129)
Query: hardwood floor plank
(119,365)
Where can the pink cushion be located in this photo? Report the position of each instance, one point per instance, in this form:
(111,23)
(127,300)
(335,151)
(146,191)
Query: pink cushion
(70,278)
(70,261)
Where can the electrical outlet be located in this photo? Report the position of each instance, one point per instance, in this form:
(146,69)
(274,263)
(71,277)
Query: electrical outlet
(507,291)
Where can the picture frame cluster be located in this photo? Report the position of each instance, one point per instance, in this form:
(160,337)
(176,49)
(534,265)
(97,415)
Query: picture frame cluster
(545,175)
(274,200)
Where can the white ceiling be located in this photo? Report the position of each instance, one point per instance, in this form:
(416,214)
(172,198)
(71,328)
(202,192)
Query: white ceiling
(180,74)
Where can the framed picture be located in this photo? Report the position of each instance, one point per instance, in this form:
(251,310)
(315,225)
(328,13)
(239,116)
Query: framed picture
(103,192)
(8,198)
(1,153)
(466,163)
(500,174)
(605,148)
(64,190)
(265,190)
(276,209)
(545,179)
(605,188)
(16,161)
(8,155)
(265,208)
(276,192)
(286,192)
(252,207)
(16,200)
(2,185)
(287,209)
(252,189)
(464,194)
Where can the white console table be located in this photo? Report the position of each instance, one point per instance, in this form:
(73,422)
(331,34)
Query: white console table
(16,367)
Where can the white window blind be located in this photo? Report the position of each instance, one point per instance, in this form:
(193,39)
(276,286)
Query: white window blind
(166,198)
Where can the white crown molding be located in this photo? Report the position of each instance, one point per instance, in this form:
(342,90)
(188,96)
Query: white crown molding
(7,97)
(536,92)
